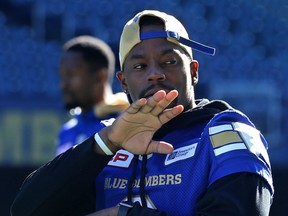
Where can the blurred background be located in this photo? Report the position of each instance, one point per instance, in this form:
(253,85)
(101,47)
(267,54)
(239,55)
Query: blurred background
(249,71)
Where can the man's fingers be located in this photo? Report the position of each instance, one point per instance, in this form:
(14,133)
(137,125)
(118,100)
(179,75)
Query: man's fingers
(164,102)
(167,115)
(153,101)
(135,107)
(155,105)
(160,147)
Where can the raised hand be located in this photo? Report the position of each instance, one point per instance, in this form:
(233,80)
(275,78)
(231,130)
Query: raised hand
(133,130)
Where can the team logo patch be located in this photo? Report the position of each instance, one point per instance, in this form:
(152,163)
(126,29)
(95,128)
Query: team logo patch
(122,159)
(181,154)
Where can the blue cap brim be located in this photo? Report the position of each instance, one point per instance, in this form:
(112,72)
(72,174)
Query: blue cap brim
(193,44)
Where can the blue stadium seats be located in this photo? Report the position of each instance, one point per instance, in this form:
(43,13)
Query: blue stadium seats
(250,37)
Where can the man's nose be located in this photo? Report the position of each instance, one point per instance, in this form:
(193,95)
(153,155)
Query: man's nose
(156,74)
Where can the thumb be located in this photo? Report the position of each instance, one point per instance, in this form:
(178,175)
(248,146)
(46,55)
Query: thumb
(160,147)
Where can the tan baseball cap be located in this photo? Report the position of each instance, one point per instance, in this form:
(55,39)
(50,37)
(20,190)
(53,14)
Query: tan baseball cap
(174,32)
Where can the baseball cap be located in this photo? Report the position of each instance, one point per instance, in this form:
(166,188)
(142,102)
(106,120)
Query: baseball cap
(174,32)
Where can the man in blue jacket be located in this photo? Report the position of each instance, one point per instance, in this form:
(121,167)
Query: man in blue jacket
(168,153)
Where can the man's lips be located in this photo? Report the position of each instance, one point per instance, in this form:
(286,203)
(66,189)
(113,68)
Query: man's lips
(151,92)
(152,89)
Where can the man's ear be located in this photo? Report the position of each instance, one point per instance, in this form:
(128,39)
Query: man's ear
(120,76)
(194,66)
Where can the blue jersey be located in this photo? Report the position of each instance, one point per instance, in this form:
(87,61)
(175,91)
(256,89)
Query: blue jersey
(204,152)
(79,128)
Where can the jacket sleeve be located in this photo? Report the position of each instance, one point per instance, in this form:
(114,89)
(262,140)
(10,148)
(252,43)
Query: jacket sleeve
(236,194)
(63,186)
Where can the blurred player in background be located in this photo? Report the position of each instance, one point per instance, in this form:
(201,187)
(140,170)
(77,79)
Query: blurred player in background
(87,68)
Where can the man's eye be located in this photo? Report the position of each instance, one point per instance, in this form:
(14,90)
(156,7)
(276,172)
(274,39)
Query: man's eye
(171,62)
(139,66)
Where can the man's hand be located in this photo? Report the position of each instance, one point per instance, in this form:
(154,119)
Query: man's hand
(133,130)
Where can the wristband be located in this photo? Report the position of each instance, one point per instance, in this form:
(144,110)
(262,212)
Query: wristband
(102,145)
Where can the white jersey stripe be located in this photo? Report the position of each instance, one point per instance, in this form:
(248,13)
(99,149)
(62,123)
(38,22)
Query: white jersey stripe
(220,128)
(230,147)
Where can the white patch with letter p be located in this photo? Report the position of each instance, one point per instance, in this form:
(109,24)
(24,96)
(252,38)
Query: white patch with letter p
(122,159)
(181,154)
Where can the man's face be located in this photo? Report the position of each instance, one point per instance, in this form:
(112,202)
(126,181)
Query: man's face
(156,64)
(76,81)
